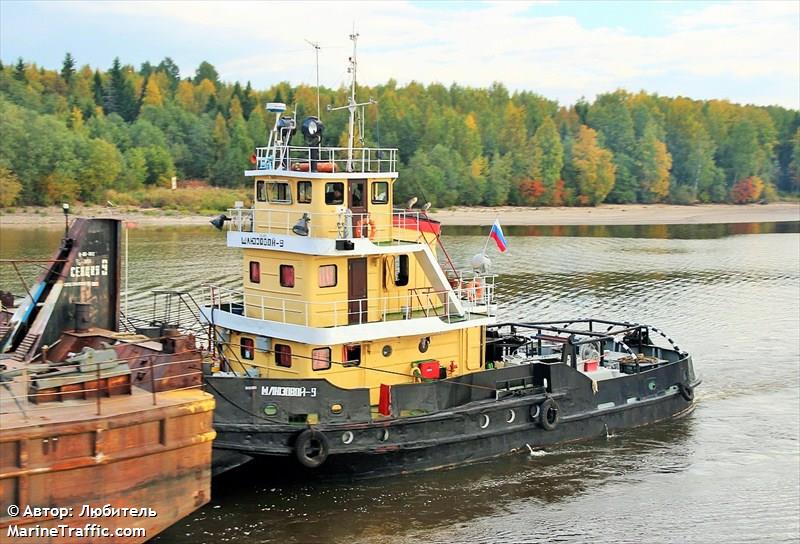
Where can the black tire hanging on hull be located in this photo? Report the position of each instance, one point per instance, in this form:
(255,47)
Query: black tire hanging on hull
(686,391)
(548,415)
(311,448)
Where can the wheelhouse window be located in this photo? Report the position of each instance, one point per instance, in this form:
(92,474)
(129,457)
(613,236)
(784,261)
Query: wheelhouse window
(283,355)
(321,359)
(401,270)
(327,275)
(352,355)
(255,272)
(286,275)
(380,192)
(261,191)
(304,192)
(279,193)
(247,348)
(334,193)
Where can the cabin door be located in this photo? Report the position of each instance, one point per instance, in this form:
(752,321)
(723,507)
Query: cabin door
(357,202)
(356,291)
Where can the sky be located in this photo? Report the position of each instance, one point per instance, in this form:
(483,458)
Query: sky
(746,52)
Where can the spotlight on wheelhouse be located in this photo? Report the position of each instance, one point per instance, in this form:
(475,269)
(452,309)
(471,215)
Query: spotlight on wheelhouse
(219,221)
(301,228)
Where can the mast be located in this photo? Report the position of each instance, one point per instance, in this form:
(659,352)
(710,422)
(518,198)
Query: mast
(351,106)
(316,47)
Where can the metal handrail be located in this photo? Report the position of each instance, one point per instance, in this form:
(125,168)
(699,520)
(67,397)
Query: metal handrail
(476,296)
(301,159)
(277,220)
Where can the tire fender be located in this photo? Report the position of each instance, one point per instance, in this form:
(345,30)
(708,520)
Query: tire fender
(686,391)
(549,414)
(311,448)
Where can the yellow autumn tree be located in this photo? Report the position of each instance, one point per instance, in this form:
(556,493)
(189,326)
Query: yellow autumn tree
(653,162)
(75,120)
(203,92)
(152,94)
(185,96)
(236,112)
(10,187)
(594,168)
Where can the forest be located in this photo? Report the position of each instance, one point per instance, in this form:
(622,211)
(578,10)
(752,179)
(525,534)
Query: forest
(89,135)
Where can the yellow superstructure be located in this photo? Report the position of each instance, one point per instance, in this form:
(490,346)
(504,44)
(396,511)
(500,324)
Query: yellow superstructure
(338,285)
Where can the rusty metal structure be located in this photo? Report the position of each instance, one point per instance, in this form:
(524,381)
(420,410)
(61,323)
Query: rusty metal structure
(92,420)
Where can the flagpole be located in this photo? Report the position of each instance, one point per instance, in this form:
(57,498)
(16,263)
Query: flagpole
(489,237)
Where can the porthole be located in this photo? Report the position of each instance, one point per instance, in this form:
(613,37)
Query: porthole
(270,410)
(347,437)
(383,435)
(484,421)
(387,350)
(424,343)
(512,415)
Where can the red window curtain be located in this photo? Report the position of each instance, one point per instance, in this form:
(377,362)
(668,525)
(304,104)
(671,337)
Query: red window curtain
(287,275)
(255,272)
(283,355)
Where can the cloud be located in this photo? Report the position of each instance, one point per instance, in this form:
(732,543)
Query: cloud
(508,42)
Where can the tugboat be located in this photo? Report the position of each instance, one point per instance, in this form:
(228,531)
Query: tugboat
(350,348)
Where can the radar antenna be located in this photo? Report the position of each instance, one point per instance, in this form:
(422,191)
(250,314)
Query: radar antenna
(352,105)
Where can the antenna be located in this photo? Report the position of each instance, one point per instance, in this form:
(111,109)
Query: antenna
(352,105)
(316,47)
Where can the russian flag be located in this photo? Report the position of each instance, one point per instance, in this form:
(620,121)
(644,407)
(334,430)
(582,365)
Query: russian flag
(496,234)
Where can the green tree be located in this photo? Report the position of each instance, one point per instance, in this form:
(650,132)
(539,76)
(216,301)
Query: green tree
(19,71)
(611,118)
(135,173)
(172,71)
(68,69)
(160,167)
(548,158)
(100,165)
(498,183)
(207,71)
(695,175)
(120,96)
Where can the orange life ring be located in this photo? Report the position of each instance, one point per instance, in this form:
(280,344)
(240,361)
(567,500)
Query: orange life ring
(326,167)
(253,158)
(371,224)
(474,290)
(360,228)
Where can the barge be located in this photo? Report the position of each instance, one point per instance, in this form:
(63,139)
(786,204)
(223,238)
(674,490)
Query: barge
(105,435)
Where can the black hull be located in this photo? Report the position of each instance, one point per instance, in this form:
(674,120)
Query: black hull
(466,432)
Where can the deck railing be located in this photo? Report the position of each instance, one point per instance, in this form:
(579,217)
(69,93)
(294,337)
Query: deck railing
(327,159)
(396,226)
(476,297)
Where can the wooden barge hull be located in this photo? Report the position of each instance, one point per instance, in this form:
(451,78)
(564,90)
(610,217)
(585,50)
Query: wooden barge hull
(155,459)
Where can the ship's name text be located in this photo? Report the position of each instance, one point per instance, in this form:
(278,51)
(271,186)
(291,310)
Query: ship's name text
(280,391)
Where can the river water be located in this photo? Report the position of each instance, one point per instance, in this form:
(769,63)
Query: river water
(729,294)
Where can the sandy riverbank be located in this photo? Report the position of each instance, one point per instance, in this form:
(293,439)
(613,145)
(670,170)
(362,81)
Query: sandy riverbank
(610,214)
(628,214)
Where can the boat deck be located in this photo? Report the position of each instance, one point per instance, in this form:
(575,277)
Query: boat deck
(18,412)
